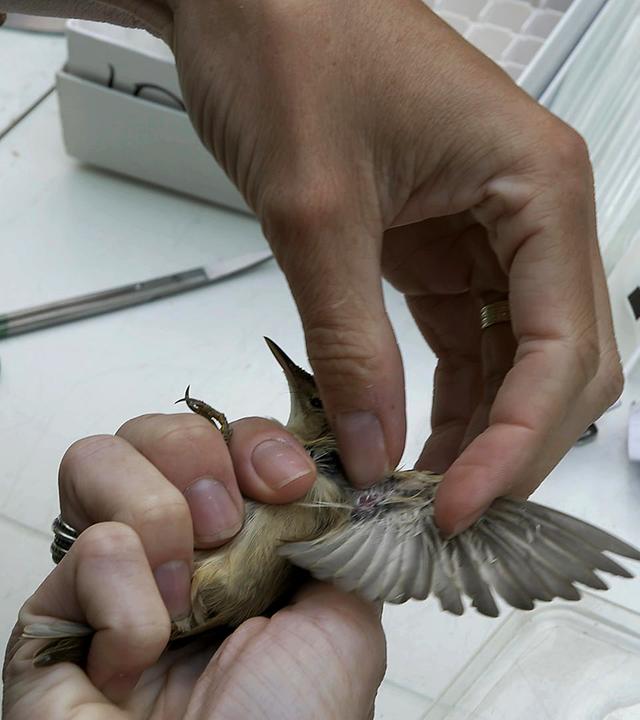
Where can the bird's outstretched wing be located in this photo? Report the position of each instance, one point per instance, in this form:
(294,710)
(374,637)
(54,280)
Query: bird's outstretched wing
(521,550)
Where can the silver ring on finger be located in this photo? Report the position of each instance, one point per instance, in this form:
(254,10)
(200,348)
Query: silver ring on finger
(63,538)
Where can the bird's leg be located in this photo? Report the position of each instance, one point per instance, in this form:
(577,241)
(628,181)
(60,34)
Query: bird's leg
(215,417)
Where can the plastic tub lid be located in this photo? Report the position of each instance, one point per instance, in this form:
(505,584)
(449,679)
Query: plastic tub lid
(564,661)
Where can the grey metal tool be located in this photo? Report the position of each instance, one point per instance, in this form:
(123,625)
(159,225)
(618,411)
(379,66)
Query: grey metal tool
(83,306)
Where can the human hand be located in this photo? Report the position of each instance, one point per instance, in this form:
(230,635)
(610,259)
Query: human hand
(144,498)
(372,141)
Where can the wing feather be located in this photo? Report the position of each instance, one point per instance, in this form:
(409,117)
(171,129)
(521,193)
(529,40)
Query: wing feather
(68,642)
(520,573)
(425,555)
(521,550)
(564,564)
(559,585)
(351,574)
(517,577)
(56,629)
(574,543)
(369,584)
(382,585)
(470,564)
(583,530)
(310,552)
(348,547)
(412,561)
(442,582)
(405,569)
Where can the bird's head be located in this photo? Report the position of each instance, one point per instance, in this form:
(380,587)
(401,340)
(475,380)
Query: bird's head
(307,419)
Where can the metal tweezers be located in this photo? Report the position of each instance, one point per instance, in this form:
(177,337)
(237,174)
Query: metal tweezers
(83,306)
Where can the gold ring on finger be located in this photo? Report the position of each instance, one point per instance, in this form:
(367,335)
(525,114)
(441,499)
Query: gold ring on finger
(493,313)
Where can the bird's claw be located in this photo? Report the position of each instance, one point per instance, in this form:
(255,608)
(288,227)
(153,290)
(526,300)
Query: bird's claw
(215,417)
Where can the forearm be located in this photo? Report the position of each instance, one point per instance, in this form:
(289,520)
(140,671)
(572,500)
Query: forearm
(153,15)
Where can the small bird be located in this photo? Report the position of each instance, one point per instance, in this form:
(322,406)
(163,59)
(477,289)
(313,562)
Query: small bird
(381,542)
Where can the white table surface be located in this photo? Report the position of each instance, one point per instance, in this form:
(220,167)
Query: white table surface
(68,229)
(29,62)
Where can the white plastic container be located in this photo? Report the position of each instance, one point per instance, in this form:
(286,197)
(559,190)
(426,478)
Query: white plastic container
(559,662)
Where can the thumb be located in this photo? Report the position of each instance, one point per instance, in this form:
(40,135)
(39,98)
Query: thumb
(334,274)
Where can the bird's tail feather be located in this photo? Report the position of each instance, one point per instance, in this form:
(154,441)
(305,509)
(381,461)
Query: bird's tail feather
(69,642)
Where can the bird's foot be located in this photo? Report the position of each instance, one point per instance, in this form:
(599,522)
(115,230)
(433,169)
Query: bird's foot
(215,417)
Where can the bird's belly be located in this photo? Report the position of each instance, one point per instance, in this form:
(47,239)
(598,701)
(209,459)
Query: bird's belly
(247,576)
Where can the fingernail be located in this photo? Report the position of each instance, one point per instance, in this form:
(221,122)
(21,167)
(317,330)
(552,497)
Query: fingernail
(278,463)
(174,582)
(362,447)
(214,514)
(119,687)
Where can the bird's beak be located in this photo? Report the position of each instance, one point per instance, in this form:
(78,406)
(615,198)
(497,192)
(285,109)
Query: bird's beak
(306,420)
(295,375)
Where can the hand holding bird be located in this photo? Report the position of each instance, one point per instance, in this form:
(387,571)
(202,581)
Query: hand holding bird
(381,542)
(131,496)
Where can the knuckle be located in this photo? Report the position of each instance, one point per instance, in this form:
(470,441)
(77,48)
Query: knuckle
(599,371)
(85,449)
(335,313)
(146,639)
(343,356)
(169,510)
(568,146)
(567,159)
(108,540)
(294,213)
(79,455)
(136,421)
(586,355)
(609,382)
(185,433)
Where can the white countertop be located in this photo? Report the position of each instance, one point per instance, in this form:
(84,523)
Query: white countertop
(29,62)
(68,229)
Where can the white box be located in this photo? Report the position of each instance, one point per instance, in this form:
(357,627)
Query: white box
(140,138)
(122,58)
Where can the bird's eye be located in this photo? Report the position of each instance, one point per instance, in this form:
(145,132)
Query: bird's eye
(316,403)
